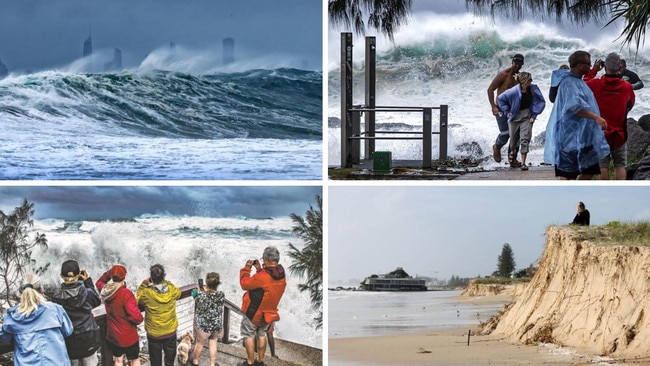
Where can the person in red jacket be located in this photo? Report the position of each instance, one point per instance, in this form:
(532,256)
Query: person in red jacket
(615,99)
(260,302)
(122,316)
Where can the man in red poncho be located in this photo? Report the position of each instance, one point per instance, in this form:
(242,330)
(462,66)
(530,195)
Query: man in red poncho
(615,99)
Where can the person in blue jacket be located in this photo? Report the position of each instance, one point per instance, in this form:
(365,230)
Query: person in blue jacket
(522,104)
(38,327)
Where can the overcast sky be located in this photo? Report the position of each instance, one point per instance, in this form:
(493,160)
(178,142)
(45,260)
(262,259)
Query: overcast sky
(443,231)
(122,202)
(37,34)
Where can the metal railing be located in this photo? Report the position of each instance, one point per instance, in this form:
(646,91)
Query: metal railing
(351,115)
(185,313)
(351,136)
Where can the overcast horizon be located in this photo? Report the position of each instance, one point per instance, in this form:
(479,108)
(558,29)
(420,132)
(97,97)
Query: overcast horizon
(37,36)
(103,203)
(440,231)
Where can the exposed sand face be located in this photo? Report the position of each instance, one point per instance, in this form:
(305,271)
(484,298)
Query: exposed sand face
(588,297)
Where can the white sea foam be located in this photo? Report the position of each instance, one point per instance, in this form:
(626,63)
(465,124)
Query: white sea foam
(451,60)
(188,247)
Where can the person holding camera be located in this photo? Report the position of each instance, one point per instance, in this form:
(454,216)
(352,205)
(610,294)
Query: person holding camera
(157,297)
(78,297)
(208,316)
(615,99)
(260,301)
(122,316)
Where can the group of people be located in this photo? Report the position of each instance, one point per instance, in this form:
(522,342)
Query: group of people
(587,130)
(64,331)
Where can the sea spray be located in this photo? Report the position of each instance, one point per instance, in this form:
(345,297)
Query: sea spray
(155,124)
(188,247)
(451,60)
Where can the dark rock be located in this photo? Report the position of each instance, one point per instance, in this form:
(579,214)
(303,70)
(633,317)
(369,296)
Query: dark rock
(644,122)
(470,149)
(640,170)
(540,139)
(638,141)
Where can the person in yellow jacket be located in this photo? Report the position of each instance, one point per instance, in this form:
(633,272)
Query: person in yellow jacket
(157,298)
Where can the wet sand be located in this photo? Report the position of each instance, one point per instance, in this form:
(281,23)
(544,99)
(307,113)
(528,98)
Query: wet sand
(449,347)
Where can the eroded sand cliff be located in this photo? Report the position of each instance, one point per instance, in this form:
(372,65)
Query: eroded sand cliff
(584,295)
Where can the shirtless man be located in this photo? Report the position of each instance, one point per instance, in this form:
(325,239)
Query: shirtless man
(503,81)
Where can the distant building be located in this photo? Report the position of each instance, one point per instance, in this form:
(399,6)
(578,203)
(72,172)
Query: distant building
(116,62)
(228,51)
(3,70)
(88,46)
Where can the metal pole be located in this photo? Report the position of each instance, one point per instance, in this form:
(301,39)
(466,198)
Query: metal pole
(355,144)
(371,76)
(346,98)
(426,138)
(443,133)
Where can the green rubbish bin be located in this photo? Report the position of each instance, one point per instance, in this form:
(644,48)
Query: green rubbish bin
(382,162)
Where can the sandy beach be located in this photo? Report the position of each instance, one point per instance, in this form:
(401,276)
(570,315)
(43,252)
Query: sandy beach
(449,347)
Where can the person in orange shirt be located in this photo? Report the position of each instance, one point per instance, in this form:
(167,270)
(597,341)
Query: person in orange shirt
(260,302)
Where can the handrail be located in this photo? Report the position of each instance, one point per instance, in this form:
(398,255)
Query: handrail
(351,133)
(186,292)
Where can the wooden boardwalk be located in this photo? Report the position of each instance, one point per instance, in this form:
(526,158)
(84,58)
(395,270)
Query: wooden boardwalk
(289,354)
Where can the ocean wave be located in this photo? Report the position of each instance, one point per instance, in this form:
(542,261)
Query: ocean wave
(280,103)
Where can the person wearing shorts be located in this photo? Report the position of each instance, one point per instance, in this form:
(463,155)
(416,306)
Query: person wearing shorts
(615,99)
(260,302)
(208,317)
(122,316)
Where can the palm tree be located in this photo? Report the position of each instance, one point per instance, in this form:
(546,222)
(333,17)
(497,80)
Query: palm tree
(309,260)
(384,15)
(16,246)
(387,15)
(634,13)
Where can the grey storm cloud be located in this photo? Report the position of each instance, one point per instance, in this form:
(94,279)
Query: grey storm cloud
(36,35)
(132,201)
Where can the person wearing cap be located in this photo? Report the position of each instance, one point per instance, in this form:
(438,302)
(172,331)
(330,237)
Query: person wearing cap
(503,81)
(260,302)
(78,297)
(574,132)
(38,327)
(122,316)
(157,297)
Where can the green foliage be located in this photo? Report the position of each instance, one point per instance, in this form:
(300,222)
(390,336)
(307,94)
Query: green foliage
(16,247)
(457,281)
(617,233)
(308,262)
(388,15)
(385,16)
(499,281)
(505,262)
(635,14)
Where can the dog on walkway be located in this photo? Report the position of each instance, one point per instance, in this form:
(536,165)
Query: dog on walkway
(185,347)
